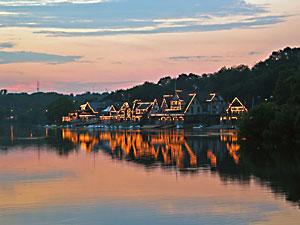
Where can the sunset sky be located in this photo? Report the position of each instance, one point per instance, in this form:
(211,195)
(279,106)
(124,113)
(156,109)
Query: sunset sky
(73,46)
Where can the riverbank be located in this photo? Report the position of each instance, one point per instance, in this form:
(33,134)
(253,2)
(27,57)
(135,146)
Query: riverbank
(146,127)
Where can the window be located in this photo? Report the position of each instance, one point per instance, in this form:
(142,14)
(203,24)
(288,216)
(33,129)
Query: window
(198,109)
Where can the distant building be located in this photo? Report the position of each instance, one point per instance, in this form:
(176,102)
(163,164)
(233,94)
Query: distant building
(206,103)
(174,107)
(108,113)
(124,113)
(233,112)
(184,105)
(87,111)
(177,107)
(70,117)
(141,109)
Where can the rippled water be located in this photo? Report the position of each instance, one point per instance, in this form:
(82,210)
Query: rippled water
(137,177)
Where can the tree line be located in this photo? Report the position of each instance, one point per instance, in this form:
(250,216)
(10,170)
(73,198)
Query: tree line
(273,80)
(40,108)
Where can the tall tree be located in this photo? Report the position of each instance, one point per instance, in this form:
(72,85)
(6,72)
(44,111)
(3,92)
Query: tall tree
(59,108)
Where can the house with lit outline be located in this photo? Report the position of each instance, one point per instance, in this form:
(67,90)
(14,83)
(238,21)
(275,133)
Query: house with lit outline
(182,105)
(176,107)
(235,110)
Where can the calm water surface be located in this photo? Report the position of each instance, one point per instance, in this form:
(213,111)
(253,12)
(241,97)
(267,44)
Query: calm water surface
(63,176)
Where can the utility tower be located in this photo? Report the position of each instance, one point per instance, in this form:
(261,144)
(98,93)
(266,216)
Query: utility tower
(37,86)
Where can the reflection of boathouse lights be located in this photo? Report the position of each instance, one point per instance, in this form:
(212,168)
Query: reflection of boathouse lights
(193,158)
(155,152)
(30,134)
(165,155)
(231,144)
(46,132)
(233,149)
(234,138)
(172,145)
(12,134)
(212,157)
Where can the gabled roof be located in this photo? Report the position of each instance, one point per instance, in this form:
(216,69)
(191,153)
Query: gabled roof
(185,97)
(167,99)
(189,99)
(125,104)
(144,105)
(164,103)
(176,96)
(212,97)
(155,105)
(203,96)
(238,104)
(118,105)
(97,105)
(109,109)
(87,105)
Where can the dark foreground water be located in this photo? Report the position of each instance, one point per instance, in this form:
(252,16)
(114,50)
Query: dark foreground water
(124,177)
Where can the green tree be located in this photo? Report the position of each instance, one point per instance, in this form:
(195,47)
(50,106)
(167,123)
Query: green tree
(59,108)
(257,120)
(282,127)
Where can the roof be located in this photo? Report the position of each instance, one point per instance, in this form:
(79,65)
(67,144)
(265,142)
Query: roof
(118,106)
(107,109)
(236,103)
(188,99)
(167,99)
(97,105)
(144,105)
(184,97)
(206,96)
(203,96)
(125,103)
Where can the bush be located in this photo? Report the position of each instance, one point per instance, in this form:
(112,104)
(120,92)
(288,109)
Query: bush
(256,121)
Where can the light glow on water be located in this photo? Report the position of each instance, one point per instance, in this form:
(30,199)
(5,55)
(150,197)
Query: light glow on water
(124,177)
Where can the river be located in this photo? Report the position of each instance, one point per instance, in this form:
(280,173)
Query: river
(119,177)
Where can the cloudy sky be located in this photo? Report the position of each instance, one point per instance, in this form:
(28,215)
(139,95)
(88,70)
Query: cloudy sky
(73,46)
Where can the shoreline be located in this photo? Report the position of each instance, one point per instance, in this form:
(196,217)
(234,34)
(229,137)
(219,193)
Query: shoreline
(146,127)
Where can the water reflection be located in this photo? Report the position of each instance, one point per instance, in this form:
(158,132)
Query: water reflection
(185,151)
(176,148)
(276,167)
